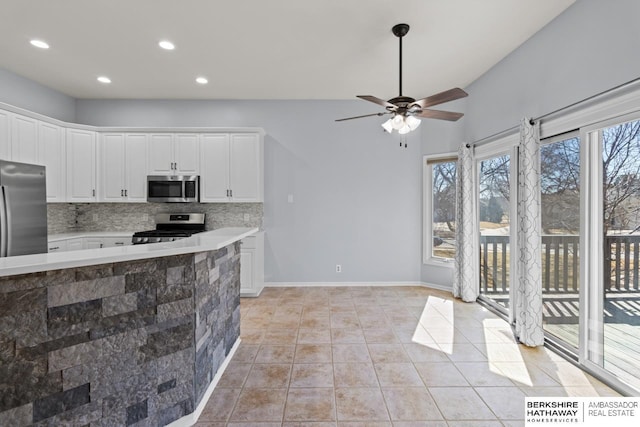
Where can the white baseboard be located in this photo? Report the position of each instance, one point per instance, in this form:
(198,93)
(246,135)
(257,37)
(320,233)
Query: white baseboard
(438,287)
(192,418)
(354,284)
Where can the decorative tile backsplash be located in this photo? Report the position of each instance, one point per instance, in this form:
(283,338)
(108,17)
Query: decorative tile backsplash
(77,217)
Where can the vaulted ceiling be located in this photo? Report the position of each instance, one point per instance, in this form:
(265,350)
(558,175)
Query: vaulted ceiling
(259,49)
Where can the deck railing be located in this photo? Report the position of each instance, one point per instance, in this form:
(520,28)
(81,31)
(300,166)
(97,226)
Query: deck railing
(560,269)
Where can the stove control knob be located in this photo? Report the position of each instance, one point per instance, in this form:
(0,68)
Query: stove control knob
(154,239)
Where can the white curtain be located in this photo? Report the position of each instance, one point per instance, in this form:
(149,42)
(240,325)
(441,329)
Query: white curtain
(528,284)
(465,285)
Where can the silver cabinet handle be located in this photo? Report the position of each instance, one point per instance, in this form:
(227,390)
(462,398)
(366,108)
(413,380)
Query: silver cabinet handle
(125,193)
(231,193)
(121,193)
(93,192)
(4,227)
(55,248)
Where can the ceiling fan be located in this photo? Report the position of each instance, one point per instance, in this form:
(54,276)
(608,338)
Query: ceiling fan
(405,110)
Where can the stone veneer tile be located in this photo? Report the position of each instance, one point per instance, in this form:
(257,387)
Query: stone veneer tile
(22,301)
(69,293)
(73,314)
(105,337)
(19,416)
(174,309)
(60,402)
(119,304)
(137,412)
(75,355)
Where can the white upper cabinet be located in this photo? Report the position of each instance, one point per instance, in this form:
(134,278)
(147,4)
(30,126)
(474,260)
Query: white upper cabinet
(136,167)
(246,168)
(161,154)
(5,136)
(186,154)
(231,168)
(24,139)
(81,165)
(51,153)
(214,168)
(112,166)
(173,154)
(123,166)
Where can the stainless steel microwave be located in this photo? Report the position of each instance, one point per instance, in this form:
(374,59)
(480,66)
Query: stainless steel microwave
(173,188)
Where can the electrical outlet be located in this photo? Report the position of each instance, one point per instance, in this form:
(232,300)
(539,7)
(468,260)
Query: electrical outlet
(247,217)
(95,217)
(338,268)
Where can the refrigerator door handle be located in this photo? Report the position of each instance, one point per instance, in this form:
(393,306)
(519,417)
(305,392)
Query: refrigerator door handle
(3,223)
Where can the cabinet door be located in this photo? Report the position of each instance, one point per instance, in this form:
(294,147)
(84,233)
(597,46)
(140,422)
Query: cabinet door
(246,168)
(113,242)
(214,168)
(24,139)
(75,244)
(160,154)
(5,136)
(246,271)
(93,243)
(57,246)
(186,154)
(136,167)
(51,150)
(112,158)
(81,166)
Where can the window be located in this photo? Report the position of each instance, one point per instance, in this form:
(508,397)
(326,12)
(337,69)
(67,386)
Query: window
(560,220)
(440,209)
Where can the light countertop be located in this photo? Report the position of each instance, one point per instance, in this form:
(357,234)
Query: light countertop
(201,242)
(88,234)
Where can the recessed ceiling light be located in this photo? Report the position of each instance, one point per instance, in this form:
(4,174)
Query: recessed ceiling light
(202,80)
(104,79)
(166,44)
(40,44)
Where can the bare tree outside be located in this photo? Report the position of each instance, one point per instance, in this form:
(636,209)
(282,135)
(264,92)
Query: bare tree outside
(444,209)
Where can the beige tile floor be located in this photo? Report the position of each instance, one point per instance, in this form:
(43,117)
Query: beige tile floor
(382,356)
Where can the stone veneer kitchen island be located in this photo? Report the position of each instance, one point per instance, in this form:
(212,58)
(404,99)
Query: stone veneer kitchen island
(118,336)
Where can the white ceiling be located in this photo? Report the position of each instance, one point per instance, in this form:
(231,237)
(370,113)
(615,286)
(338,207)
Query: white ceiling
(263,49)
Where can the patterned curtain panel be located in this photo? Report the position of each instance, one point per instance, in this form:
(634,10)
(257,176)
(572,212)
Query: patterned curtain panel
(465,285)
(528,286)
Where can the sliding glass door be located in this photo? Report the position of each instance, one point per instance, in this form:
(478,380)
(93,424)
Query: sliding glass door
(613,296)
(560,220)
(494,209)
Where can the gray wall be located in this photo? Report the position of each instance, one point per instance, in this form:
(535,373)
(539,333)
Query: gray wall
(24,93)
(592,47)
(356,193)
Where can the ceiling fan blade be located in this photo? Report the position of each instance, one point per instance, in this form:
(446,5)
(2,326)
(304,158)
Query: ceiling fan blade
(438,114)
(376,100)
(359,117)
(441,98)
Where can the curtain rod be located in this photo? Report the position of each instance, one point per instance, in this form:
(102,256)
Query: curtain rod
(608,92)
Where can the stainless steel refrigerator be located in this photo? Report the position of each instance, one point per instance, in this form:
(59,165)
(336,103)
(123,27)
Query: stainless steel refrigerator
(23,209)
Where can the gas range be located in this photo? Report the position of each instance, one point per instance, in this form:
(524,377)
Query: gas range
(170,227)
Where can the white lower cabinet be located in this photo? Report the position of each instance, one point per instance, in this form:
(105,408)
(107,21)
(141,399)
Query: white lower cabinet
(252,265)
(57,246)
(79,243)
(75,244)
(113,242)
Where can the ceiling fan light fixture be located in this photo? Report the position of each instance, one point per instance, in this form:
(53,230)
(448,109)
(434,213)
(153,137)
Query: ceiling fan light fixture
(388,126)
(404,130)
(397,122)
(412,122)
